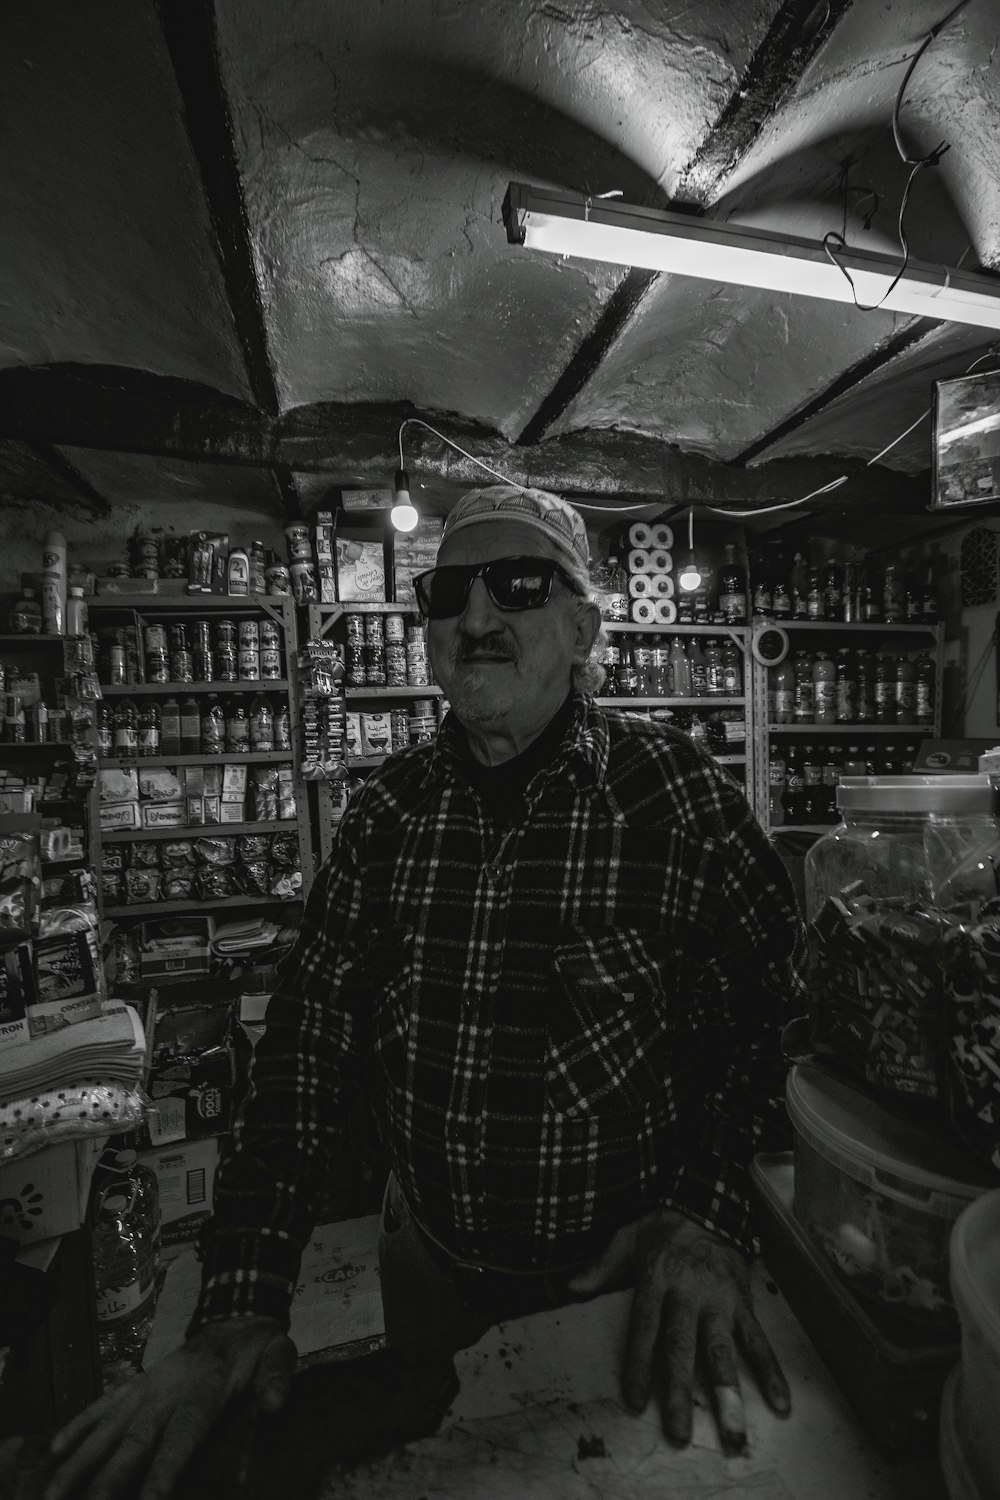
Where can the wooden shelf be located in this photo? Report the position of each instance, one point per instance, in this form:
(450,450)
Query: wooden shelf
(228,758)
(185,689)
(928,627)
(13,747)
(393,692)
(365,607)
(819,730)
(30,638)
(222,903)
(196,830)
(629,628)
(192,604)
(705,702)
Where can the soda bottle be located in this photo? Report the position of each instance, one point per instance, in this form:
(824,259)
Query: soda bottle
(905,691)
(798,588)
(886,763)
(783,676)
(885,689)
(831,780)
(824,689)
(869,598)
(124,1224)
(680,670)
(213,727)
(865,668)
(149,728)
(847,687)
(908,759)
(642,656)
(776,787)
(924,702)
(126,728)
(805,700)
(732,589)
(732,670)
(854,762)
(699,669)
(237,726)
(190,727)
(170,728)
(714,682)
(794,785)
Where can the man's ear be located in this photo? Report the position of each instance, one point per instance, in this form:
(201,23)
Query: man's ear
(588,623)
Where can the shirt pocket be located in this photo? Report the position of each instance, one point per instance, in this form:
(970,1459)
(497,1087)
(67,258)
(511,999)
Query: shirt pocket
(608,1022)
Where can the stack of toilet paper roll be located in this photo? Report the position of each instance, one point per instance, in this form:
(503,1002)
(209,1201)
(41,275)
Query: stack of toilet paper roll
(650,566)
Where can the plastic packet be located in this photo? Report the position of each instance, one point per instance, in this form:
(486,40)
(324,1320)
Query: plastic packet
(215,851)
(141,885)
(176,854)
(145,855)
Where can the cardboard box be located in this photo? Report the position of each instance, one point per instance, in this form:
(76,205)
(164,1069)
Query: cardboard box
(175,945)
(164,815)
(185,1175)
(45,1194)
(195,811)
(234,783)
(945,757)
(360,567)
(194,781)
(231,812)
(381,499)
(160,784)
(118,815)
(17,802)
(192,1098)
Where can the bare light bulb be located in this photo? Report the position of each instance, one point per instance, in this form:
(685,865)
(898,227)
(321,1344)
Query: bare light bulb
(689,578)
(403,514)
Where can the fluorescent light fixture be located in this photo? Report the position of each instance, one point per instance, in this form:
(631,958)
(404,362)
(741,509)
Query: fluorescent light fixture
(626,235)
(403,514)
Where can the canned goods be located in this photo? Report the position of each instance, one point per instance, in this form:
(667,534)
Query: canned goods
(414,634)
(270,663)
(422,708)
(154,639)
(304,583)
(394,628)
(354,664)
(355,627)
(249,665)
(181,666)
(249,635)
(270,636)
(204,666)
(225,635)
(201,635)
(374,629)
(418,673)
(157,668)
(116,665)
(278,578)
(225,666)
(177,639)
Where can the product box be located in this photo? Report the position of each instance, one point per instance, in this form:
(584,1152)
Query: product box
(160,784)
(360,565)
(67,965)
(45,1194)
(195,811)
(17,802)
(164,815)
(114,815)
(211,809)
(118,785)
(185,1176)
(231,812)
(175,945)
(192,1097)
(194,781)
(380,499)
(234,783)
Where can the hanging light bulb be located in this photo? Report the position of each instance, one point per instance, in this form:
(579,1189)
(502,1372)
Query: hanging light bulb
(404,513)
(689,577)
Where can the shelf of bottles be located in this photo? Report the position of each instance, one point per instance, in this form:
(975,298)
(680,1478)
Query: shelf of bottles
(194,689)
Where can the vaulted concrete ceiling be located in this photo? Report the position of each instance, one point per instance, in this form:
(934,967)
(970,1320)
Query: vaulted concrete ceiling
(255,235)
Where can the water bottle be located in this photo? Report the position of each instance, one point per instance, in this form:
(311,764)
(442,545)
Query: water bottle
(124,1220)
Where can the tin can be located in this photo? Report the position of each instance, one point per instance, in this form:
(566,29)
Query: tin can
(226,666)
(249,665)
(204,665)
(154,640)
(157,667)
(249,635)
(414,633)
(299,552)
(225,635)
(116,666)
(354,625)
(181,666)
(177,638)
(395,665)
(354,664)
(201,635)
(279,579)
(375,665)
(270,664)
(270,636)
(304,586)
(418,674)
(394,629)
(399,724)
(374,629)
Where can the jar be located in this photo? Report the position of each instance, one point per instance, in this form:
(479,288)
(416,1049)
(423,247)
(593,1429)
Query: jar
(910,856)
(279,580)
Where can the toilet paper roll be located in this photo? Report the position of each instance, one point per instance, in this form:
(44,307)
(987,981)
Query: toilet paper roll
(663,536)
(639,561)
(660,561)
(665,611)
(663,585)
(641,535)
(643,612)
(640,586)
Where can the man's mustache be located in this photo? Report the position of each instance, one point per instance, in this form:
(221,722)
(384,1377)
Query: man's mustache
(469,647)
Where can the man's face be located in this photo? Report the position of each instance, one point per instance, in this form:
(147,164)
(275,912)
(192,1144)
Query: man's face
(506,673)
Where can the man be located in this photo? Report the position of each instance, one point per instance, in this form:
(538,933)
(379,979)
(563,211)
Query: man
(565,950)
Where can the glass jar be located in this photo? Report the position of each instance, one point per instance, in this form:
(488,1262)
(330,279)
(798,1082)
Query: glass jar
(883,887)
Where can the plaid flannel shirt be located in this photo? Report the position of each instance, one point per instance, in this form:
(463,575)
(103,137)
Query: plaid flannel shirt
(564,1022)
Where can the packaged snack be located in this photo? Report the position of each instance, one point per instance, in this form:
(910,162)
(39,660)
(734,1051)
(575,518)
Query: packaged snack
(178,884)
(285,851)
(113,887)
(112,858)
(253,846)
(286,884)
(176,853)
(145,855)
(115,785)
(213,883)
(141,885)
(264,794)
(253,877)
(159,784)
(215,851)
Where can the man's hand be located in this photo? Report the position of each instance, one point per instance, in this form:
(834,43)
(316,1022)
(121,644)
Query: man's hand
(149,1429)
(692,1296)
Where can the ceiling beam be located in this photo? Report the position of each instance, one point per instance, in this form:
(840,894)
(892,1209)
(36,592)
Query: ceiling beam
(798,31)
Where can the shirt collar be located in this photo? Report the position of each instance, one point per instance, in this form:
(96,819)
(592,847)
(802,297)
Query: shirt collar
(583,753)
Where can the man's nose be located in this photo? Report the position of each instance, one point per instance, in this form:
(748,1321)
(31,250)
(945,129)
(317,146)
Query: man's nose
(480,615)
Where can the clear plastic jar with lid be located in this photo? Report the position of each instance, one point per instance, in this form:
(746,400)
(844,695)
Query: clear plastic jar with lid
(910,857)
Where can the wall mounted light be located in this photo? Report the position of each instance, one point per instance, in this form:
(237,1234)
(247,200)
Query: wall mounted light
(626,235)
(403,514)
(689,577)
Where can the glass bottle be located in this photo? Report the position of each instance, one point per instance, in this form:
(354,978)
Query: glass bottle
(190,727)
(126,726)
(149,727)
(781,600)
(732,588)
(849,595)
(170,727)
(804,691)
(824,689)
(763,593)
(929,603)
(617,596)
(732,670)
(627,679)
(893,602)
(798,588)
(784,691)
(833,590)
(213,726)
(237,726)
(869,596)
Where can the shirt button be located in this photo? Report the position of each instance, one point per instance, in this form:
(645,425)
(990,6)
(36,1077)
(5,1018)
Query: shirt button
(494,873)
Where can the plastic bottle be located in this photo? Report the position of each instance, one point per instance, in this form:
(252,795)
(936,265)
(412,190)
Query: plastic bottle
(124,1222)
(626,680)
(885,689)
(660,680)
(846,686)
(170,727)
(105,728)
(784,691)
(824,689)
(732,588)
(776,788)
(261,724)
(213,727)
(238,572)
(680,670)
(804,690)
(642,657)
(924,702)
(714,683)
(190,727)
(893,603)
(732,670)
(833,591)
(781,600)
(149,728)
(699,668)
(905,691)
(237,726)
(26,616)
(793,784)
(814,596)
(617,590)
(54,583)
(929,604)
(798,588)
(76,613)
(126,728)
(282,728)
(831,777)
(763,593)
(865,668)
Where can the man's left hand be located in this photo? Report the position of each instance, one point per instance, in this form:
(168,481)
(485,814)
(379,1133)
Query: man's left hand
(692,1297)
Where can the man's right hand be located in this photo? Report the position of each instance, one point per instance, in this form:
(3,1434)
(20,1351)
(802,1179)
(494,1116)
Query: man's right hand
(139,1438)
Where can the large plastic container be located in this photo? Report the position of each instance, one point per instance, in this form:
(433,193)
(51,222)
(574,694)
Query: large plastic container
(909,852)
(975,1281)
(878,1192)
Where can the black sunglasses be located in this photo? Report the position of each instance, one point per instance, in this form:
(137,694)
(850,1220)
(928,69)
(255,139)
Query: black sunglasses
(512,583)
